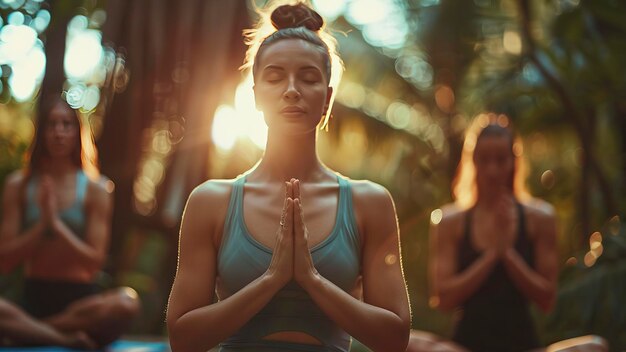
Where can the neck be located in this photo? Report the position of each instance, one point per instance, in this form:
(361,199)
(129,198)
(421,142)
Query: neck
(290,157)
(492,199)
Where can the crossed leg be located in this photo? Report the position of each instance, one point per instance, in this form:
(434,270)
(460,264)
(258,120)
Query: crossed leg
(425,341)
(104,317)
(90,322)
(19,328)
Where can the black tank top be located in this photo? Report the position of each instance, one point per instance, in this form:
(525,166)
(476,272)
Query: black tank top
(496,317)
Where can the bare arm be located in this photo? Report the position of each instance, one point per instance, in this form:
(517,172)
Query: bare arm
(15,247)
(451,287)
(382,320)
(194,322)
(538,284)
(92,250)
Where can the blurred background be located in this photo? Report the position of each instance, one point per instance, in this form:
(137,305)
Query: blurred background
(158,82)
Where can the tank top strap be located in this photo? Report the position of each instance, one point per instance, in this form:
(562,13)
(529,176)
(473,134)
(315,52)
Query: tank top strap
(234,206)
(522,243)
(82,182)
(345,198)
(31,191)
(345,210)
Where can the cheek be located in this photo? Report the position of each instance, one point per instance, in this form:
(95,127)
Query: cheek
(266,97)
(48,138)
(318,100)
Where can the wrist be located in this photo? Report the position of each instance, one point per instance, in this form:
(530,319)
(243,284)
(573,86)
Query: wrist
(491,255)
(310,280)
(55,224)
(508,254)
(274,280)
(41,227)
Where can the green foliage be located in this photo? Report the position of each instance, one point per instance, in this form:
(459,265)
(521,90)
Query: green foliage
(11,155)
(591,298)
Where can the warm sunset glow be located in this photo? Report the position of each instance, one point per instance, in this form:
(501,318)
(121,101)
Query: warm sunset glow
(435,216)
(433,302)
(241,122)
(512,42)
(391,259)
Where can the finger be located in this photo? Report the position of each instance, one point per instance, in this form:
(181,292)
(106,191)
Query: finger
(289,189)
(294,181)
(296,188)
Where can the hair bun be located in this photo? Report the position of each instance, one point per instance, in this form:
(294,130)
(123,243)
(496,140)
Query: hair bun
(299,15)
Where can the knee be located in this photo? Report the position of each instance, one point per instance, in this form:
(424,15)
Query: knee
(8,310)
(128,303)
(119,309)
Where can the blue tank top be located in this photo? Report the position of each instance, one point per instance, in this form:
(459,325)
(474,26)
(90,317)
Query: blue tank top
(73,217)
(242,259)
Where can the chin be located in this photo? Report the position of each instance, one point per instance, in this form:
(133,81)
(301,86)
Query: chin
(59,154)
(292,129)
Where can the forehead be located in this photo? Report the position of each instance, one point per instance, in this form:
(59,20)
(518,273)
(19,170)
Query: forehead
(493,144)
(61,112)
(291,53)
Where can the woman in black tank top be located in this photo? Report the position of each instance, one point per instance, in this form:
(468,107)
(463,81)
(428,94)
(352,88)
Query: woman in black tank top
(492,255)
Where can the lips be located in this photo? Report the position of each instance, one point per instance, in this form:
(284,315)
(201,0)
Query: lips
(292,109)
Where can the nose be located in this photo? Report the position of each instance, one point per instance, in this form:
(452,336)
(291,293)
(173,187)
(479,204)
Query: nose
(291,91)
(59,128)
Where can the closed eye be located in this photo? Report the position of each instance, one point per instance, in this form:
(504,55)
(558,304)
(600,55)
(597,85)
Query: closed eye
(310,76)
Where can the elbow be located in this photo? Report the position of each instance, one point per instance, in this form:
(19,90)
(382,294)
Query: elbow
(173,334)
(176,342)
(544,296)
(96,262)
(397,338)
(179,336)
(403,339)
(398,344)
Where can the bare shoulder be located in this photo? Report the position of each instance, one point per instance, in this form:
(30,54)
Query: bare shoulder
(540,219)
(210,200)
(452,213)
(373,208)
(368,191)
(14,179)
(452,221)
(206,210)
(212,192)
(12,184)
(100,189)
(539,210)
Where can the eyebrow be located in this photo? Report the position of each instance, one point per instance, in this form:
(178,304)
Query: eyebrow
(280,68)
(273,67)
